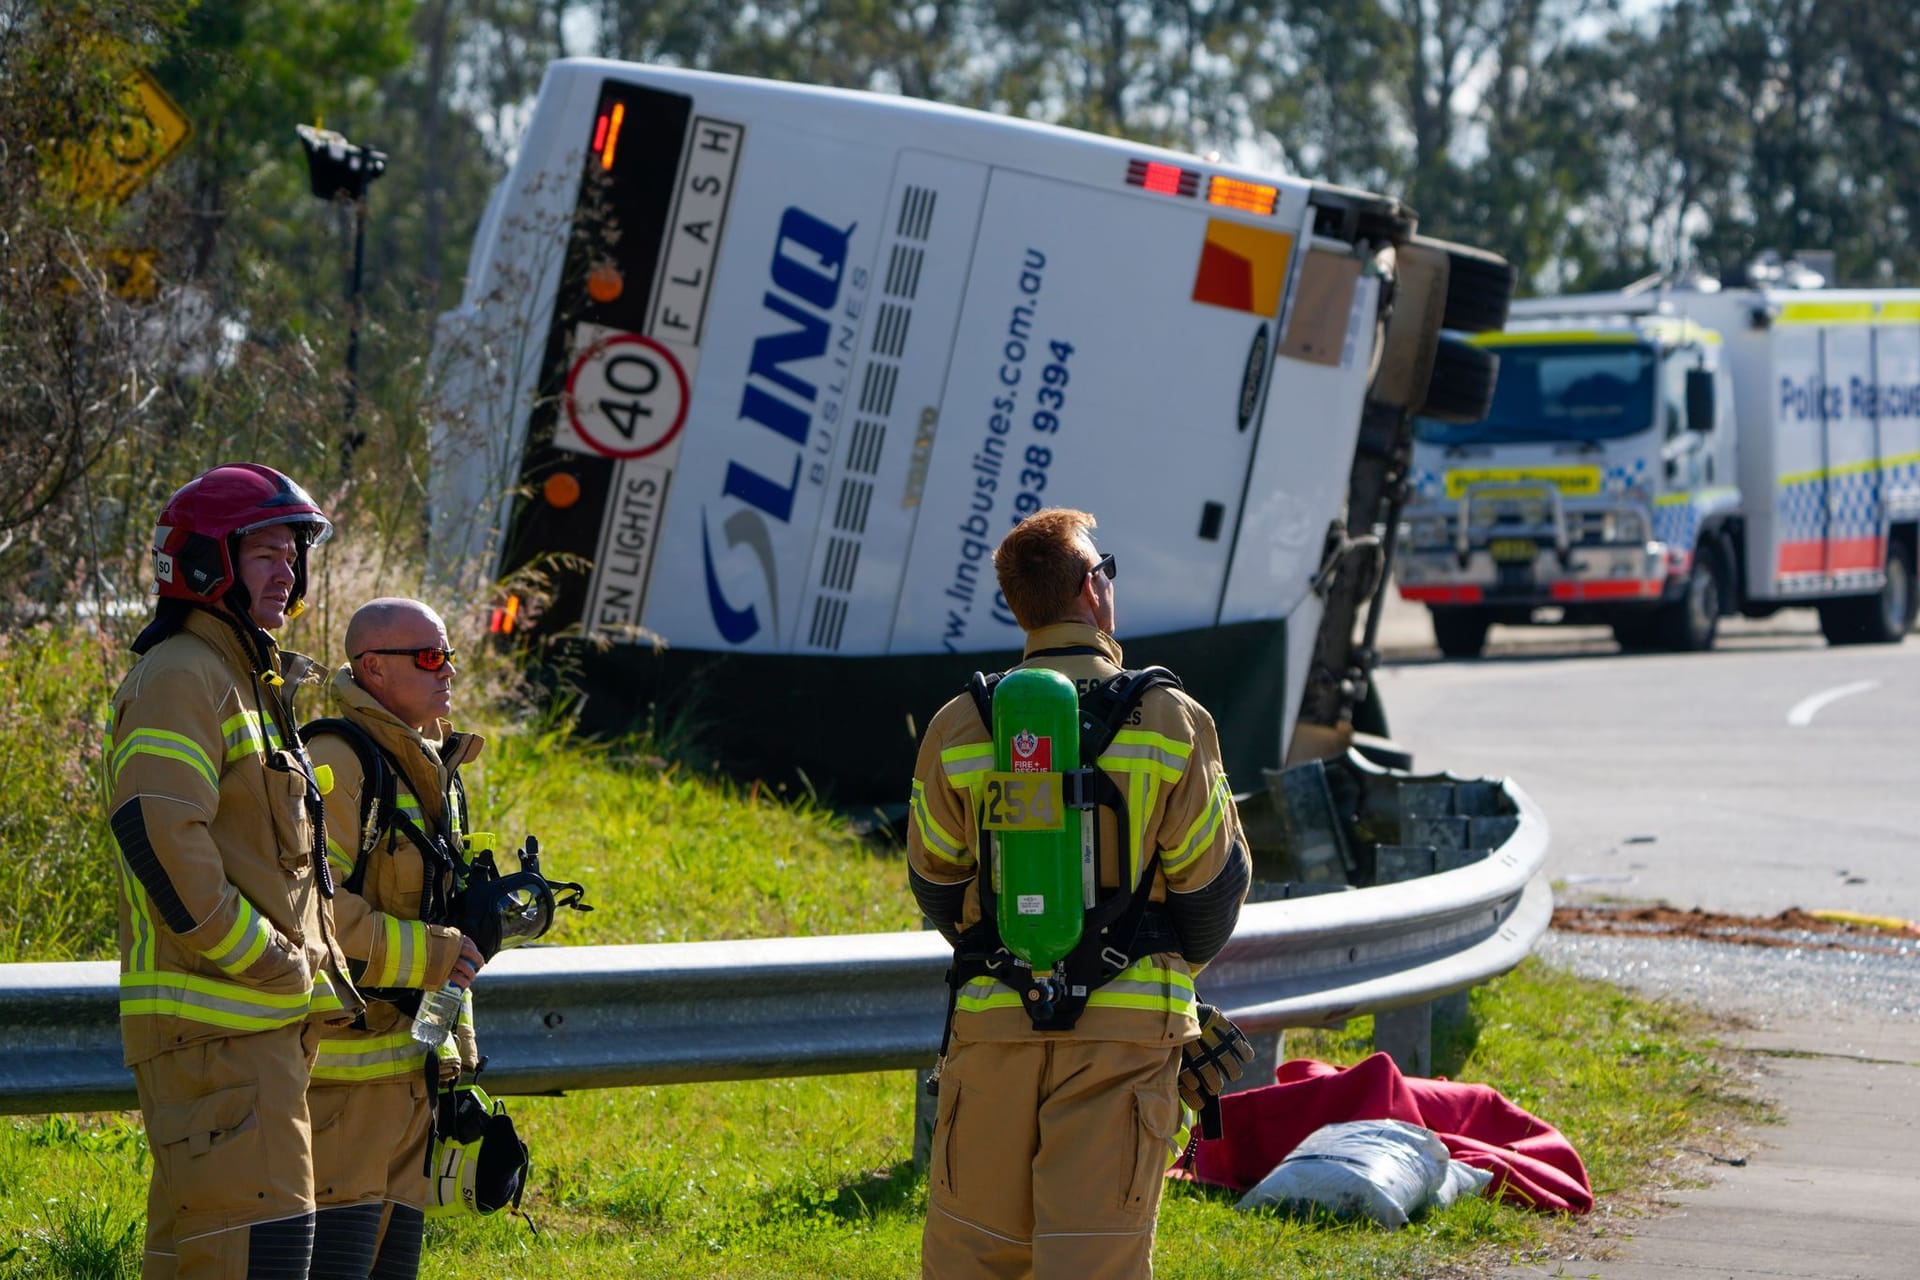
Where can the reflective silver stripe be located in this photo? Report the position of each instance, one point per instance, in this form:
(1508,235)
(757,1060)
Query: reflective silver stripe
(245,942)
(221,1004)
(1147,753)
(388,1055)
(167,746)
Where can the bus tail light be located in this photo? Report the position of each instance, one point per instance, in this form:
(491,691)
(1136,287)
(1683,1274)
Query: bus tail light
(1166,179)
(504,616)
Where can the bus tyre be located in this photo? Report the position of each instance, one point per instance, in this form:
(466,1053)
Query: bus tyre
(1881,618)
(1689,624)
(1460,632)
(1461,387)
(1479,288)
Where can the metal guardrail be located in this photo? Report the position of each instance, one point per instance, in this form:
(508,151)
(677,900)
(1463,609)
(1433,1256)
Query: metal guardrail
(554,1019)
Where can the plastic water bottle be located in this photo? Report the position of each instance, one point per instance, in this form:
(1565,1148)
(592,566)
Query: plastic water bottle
(439,1010)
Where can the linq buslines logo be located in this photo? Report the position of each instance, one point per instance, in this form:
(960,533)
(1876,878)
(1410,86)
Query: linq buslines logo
(1032,754)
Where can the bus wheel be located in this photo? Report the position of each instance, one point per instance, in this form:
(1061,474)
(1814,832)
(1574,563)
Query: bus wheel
(1460,632)
(1881,618)
(1479,287)
(1689,624)
(1461,387)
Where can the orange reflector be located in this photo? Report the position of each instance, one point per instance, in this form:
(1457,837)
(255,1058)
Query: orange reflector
(1254,197)
(613,135)
(560,490)
(502,619)
(605,283)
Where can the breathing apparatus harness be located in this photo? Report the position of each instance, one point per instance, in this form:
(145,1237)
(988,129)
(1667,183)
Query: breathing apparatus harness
(475,1158)
(496,910)
(1121,927)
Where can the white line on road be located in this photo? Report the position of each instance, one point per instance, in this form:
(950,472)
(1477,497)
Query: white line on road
(1807,708)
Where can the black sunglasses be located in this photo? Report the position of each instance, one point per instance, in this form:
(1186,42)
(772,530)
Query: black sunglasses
(428,659)
(1103,565)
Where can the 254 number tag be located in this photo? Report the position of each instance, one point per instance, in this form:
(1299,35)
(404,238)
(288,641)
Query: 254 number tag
(1023,802)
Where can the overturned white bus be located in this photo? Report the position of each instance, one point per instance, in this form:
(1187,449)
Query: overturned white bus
(760,373)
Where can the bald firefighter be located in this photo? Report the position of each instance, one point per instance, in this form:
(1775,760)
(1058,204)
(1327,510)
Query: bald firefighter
(1060,1098)
(227,963)
(395,840)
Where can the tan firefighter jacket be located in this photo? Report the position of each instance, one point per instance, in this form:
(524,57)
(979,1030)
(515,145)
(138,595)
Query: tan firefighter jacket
(223,929)
(380,927)
(1166,761)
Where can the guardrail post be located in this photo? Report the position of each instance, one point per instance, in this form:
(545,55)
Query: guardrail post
(1406,1036)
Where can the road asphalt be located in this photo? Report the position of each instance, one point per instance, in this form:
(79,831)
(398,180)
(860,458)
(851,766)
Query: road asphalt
(1831,1192)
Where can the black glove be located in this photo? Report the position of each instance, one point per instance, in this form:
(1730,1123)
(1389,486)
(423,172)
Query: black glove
(1214,1061)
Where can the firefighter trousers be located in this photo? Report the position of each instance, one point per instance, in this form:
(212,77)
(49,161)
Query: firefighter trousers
(232,1188)
(1048,1159)
(369,1158)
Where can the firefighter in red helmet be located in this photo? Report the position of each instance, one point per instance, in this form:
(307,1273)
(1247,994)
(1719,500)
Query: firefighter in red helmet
(227,959)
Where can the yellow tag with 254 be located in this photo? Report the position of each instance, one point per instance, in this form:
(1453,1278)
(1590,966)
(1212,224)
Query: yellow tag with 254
(1022,802)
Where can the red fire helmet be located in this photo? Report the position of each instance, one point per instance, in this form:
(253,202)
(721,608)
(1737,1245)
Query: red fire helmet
(206,517)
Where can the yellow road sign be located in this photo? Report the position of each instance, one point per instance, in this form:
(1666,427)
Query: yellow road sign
(117,162)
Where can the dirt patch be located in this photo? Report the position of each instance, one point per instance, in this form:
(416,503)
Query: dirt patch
(1791,928)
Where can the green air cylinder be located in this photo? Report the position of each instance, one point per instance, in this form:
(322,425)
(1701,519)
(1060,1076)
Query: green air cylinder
(1036,737)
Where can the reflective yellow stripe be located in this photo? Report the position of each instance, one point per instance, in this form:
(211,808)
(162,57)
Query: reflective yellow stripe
(1825,313)
(369,1058)
(243,943)
(1141,985)
(337,859)
(939,841)
(139,916)
(965,764)
(403,959)
(1168,755)
(166,745)
(325,998)
(242,735)
(1200,835)
(409,804)
(212,1001)
(1524,338)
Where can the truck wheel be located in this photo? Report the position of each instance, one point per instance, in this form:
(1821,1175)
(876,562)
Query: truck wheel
(1689,624)
(1461,386)
(1637,632)
(1479,288)
(1460,632)
(1881,618)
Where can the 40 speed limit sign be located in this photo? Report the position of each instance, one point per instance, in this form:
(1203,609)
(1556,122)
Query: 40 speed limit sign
(626,396)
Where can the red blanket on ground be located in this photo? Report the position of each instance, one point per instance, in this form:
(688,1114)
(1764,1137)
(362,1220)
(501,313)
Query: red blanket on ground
(1531,1163)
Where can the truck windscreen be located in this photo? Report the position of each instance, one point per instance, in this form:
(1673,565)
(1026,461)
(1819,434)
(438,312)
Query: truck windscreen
(1546,393)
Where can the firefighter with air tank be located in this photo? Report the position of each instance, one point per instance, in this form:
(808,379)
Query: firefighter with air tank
(1084,856)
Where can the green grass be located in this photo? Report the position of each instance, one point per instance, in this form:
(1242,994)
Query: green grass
(810,1177)
(806,1177)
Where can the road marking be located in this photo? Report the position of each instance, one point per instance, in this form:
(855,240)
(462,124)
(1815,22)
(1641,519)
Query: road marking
(1807,708)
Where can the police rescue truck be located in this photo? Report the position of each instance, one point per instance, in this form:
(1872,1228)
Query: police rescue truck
(1656,461)
(750,378)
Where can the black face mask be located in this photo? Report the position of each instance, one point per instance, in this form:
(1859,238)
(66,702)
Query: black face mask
(502,911)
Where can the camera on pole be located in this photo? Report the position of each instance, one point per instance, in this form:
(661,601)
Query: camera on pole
(337,168)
